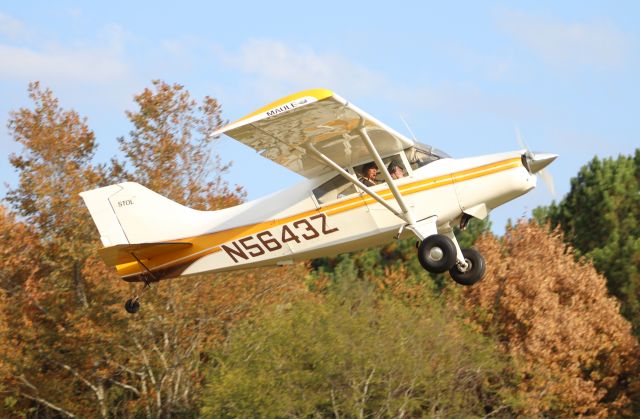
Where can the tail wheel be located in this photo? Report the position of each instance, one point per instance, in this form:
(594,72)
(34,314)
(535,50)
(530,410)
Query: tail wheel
(132,306)
(475,268)
(437,253)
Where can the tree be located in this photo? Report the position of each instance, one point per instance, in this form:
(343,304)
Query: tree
(67,348)
(373,263)
(356,353)
(43,302)
(168,149)
(553,315)
(600,217)
(53,168)
(159,356)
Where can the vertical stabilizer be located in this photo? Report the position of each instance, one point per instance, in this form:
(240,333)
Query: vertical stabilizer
(129,213)
(97,201)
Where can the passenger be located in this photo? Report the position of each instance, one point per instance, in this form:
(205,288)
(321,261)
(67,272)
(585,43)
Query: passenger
(369,173)
(395,170)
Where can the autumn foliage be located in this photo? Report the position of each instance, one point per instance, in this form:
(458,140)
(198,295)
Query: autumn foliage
(361,334)
(574,350)
(67,346)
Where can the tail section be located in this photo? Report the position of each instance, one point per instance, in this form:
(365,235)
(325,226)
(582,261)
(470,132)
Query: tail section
(128,213)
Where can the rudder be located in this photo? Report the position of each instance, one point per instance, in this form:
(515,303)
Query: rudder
(129,213)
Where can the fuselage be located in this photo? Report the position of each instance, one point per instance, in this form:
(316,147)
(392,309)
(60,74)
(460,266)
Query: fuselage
(297,224)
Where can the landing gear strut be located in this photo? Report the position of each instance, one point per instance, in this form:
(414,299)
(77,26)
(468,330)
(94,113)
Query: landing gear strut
(439,253)
(132,305)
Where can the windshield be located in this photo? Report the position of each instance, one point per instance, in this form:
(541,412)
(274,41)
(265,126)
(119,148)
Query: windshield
(422,154)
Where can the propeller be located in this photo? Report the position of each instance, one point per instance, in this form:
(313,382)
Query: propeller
(536,163)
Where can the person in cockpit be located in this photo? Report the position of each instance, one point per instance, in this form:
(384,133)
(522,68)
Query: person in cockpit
(369,173)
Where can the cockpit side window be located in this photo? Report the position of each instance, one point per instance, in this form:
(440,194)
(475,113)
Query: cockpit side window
(338,187)
(335,188)
(393,164)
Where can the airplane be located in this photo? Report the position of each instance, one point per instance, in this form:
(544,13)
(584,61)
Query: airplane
(347,201)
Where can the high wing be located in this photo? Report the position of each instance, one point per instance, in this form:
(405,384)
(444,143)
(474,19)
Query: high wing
(284,130)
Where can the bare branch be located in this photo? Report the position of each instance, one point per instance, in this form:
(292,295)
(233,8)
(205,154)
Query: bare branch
(78,376)
(146,361)
(126,386)
(48,404)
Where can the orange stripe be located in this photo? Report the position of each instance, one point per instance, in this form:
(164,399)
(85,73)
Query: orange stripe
(210,243)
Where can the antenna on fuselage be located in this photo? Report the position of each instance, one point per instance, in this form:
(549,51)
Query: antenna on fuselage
(415,140)
(408,128)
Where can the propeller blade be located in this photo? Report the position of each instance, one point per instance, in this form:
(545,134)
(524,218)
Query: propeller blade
(520,140)
(536,162)
(548,181)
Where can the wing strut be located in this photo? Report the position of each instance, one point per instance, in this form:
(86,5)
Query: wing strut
(355,181)
(406,213)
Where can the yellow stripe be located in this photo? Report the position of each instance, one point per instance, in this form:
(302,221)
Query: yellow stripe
(210,243)
(319,94)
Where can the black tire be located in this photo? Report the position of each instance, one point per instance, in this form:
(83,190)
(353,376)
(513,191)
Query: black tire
(132,306)
(437,265)
(475,271)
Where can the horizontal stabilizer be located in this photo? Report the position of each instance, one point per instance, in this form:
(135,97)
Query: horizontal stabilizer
(123,253)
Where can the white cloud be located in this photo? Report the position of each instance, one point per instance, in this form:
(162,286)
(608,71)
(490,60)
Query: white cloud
(275,68)
(569,45)
(12,27)
(60,64)
(300,67)
(81,61)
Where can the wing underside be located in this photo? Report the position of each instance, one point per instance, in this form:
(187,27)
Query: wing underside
(283,130)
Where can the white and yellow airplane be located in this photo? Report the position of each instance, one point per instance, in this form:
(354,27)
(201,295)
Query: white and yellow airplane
(349,199)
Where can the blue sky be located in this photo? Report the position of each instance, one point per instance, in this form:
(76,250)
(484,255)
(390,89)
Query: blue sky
(462,74)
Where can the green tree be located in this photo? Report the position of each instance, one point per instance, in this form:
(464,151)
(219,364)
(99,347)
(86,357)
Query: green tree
(600,217)
(357,353)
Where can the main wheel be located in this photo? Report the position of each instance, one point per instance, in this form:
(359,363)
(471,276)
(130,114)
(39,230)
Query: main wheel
(437,253)
(132,306)
(475,270)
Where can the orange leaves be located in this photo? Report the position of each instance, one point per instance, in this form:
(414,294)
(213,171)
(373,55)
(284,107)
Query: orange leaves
(63,324)
(169,148)
(556,316)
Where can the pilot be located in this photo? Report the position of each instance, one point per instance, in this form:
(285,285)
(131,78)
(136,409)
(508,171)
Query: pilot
(369,173)
(395,170)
